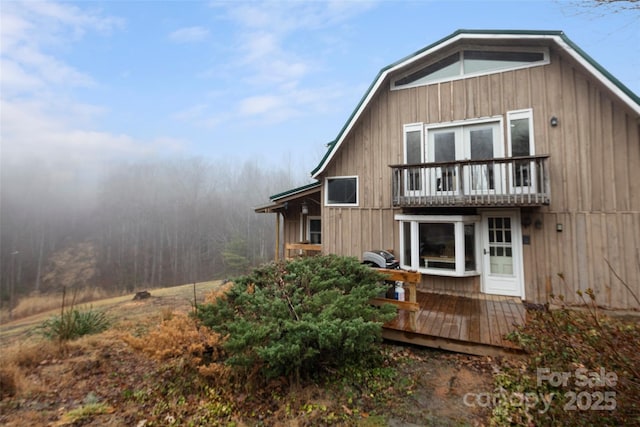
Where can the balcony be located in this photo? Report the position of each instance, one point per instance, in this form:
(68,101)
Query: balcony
(513,181)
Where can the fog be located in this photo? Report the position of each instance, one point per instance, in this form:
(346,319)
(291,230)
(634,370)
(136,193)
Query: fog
(131,224)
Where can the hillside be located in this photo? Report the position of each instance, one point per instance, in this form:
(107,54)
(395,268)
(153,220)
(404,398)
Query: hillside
(102,380)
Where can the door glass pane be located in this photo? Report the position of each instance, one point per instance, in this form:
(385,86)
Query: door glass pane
(437,245)
(481,144)
(500,246)
(444,147)
(444,150)
(481,148)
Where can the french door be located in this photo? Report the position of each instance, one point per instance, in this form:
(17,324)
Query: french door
(483,142)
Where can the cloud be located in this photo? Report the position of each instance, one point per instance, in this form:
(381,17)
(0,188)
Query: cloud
(40,119)
(273,54)
(189,35)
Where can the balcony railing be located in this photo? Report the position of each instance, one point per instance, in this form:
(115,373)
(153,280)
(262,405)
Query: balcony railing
(513,181)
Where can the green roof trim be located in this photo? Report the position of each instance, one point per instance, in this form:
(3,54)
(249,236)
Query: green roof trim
(601,69)
(295,190)
(543,33)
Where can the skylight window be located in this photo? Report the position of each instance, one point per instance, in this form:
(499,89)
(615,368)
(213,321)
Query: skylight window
(470,62)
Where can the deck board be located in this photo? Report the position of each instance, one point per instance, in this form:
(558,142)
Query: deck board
(472,323)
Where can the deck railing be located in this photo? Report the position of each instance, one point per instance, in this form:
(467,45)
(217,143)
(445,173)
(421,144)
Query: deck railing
(301,249)
(513,181)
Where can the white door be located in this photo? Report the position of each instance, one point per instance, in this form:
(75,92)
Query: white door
(502,254)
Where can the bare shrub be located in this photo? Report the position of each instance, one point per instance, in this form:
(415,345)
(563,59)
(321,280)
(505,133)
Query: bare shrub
(180,336)
(579,344)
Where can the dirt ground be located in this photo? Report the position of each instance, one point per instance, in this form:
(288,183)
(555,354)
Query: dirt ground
(53,386)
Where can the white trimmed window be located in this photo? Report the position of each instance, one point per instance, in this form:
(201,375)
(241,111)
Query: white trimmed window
(521,144)
(341,191)
(440,245)
(472,62)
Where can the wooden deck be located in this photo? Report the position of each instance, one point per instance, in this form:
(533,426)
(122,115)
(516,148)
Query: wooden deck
(470,323)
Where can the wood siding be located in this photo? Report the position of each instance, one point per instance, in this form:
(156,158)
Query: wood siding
(594,169)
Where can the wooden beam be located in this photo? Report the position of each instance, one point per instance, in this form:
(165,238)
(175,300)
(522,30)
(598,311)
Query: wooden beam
(448,344)
(412,277)
(304,247)
(402,305)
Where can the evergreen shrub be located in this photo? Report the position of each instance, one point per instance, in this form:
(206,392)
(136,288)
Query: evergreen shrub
(301,317)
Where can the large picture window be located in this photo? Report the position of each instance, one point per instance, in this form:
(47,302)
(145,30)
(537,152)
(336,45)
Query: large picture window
(341,191)
(439,245)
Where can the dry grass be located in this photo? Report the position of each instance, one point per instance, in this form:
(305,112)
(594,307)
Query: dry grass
(131,315)
(40,303)
(23,352)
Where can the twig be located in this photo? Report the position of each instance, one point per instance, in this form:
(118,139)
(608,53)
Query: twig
(622,281)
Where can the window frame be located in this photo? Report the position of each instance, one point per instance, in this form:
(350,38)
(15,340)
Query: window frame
(326,191)
(415,179)
(308,236)
(462,75)
(459,222)
(518,115)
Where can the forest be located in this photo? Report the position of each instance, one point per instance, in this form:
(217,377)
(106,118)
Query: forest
(133,225)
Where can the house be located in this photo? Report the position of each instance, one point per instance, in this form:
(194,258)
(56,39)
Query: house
(494,163)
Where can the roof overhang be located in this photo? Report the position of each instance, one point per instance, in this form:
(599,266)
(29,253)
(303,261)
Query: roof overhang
(557,37)
(280,201)
(269,208)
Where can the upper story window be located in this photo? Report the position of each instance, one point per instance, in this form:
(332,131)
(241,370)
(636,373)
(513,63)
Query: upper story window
(341,191)
(472,62)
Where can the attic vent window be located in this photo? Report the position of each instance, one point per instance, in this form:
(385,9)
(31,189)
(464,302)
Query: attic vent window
(469,62)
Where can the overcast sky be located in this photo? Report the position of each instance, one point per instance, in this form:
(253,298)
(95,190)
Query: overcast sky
(83,83)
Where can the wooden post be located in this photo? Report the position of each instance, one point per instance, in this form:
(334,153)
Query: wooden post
(411,280)
(277,251)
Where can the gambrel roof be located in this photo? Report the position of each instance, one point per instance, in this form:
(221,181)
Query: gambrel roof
(558,38)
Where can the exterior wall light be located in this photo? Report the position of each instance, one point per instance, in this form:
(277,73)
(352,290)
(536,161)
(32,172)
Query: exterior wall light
(554,121)
(305,208)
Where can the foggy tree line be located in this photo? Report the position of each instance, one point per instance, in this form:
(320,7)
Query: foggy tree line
(140,225)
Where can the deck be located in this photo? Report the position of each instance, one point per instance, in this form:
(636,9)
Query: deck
(470,323)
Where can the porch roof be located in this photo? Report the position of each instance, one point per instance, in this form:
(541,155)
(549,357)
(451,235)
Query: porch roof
(279,201)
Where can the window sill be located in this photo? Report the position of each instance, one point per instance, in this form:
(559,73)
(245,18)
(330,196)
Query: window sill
(447,273)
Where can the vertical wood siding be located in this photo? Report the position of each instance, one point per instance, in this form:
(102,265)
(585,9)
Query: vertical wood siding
(594,173)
